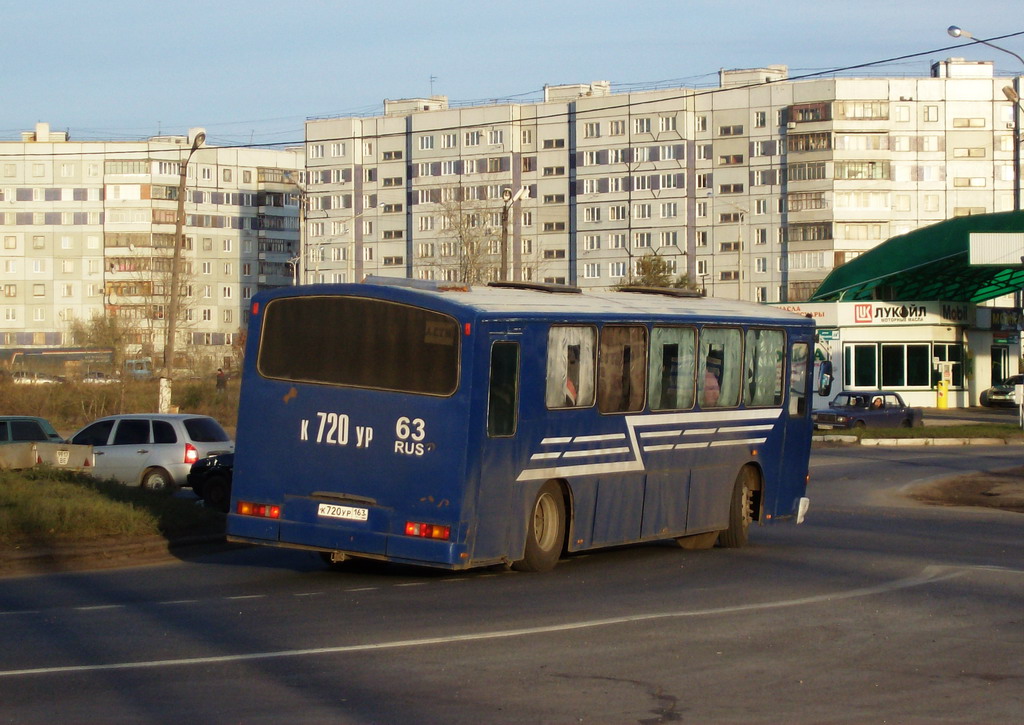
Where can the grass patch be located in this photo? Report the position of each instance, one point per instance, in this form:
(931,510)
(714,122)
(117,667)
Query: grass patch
(70,406)
(42,507)
(1001,431)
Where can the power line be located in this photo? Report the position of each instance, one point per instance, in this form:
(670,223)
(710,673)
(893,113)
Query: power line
(555,115)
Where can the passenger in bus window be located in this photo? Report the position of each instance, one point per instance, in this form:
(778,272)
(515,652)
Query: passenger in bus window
(572,377)
(712,379)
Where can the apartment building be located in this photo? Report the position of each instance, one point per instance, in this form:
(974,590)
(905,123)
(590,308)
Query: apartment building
(88,228)
(754,189)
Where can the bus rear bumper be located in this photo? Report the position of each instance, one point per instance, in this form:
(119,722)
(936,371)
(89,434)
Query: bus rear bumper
(348,542)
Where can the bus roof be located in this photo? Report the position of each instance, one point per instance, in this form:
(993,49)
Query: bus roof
(527,302)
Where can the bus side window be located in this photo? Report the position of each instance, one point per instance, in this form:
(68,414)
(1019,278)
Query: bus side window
(570,367)
(765,363)
(799,355)
(503,390)
(718,376)
(622,368)
(672,367)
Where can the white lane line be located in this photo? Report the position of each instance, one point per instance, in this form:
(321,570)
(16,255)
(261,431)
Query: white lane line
(930,575)
(99,607)
(362,589)
(179,601)
(246,596)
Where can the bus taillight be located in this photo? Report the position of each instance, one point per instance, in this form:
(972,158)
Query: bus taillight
(427,531)
(261,510)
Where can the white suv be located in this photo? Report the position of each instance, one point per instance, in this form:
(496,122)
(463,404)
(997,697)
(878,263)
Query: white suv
(152,450)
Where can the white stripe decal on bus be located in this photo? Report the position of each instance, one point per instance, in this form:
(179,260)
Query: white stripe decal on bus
(595,452)
(662,433)
(758,419)
(594,439)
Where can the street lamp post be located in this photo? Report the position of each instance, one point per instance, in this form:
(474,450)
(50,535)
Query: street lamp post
(174,292)
(508,199)
(1013,95)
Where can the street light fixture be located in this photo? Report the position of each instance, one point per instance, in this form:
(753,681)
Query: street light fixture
(1012,95)
(175,293)
(508,199)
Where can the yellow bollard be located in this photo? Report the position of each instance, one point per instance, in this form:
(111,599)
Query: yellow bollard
(942,391)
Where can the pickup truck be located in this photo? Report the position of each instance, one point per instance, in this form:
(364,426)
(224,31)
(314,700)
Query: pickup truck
(27,441)
(867,409)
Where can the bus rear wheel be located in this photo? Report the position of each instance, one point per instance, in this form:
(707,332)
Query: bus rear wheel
(545,531)
(741,509)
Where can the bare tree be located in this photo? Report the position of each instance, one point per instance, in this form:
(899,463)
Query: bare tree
(469,248)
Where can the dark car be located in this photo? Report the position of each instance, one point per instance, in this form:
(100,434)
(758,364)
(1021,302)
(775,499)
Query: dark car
(1002,393)
(23,428)
(210,479)
(867,409)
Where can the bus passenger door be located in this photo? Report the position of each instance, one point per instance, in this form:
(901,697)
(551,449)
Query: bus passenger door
(797,431)
(500,447)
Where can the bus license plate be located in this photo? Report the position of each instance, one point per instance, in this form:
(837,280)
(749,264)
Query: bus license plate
(350,513)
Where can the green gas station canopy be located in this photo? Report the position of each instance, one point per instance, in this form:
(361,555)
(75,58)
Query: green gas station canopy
(931,263)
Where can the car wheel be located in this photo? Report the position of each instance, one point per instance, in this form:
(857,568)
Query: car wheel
(217,493)
(157,479)
(859,425)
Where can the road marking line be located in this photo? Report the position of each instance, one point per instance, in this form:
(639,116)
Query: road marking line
(931,574)
(99,607)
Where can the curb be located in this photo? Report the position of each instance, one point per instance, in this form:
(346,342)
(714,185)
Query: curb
(105,554)
(910,441)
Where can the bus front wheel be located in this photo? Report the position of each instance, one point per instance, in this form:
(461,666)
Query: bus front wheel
(741,509)
(545,531)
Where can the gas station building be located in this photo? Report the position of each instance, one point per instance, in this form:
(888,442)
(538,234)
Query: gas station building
(934,315)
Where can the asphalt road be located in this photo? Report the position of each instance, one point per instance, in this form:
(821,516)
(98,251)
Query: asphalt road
(877,609)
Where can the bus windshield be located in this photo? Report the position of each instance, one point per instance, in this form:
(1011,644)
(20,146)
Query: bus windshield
(361,343)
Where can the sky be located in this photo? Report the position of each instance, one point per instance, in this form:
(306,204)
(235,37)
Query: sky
(252,72)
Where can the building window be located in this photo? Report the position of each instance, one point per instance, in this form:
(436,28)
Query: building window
(554,143)
(592,130)
(591,270)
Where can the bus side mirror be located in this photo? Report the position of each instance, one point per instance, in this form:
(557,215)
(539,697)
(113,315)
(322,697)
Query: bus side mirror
(825,378)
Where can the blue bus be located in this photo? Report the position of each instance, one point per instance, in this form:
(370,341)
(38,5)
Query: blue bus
(462,427)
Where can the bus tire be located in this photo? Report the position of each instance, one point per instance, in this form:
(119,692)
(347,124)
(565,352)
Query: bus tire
(698,542)
(741,509)
(545,531)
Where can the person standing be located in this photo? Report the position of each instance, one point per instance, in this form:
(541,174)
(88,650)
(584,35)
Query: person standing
(222,381)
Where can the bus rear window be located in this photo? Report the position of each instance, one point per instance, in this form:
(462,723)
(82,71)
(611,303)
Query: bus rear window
(361,343)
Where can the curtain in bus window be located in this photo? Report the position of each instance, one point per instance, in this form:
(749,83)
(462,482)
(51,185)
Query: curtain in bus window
(570,367)
(799,356)
(764,364)
(622,366)
(719,363)
(673,364)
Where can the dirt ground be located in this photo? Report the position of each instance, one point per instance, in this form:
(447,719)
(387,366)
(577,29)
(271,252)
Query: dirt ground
(1002,490)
